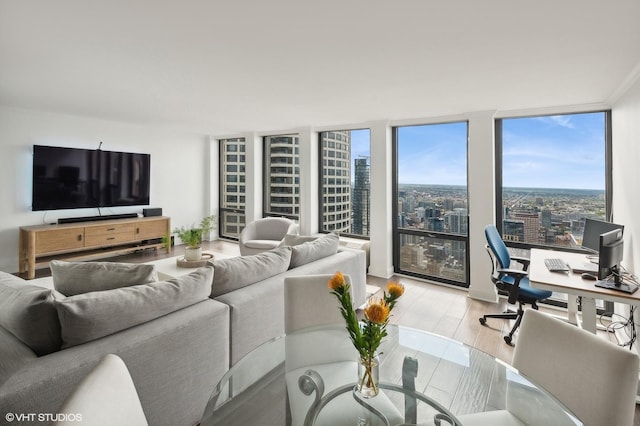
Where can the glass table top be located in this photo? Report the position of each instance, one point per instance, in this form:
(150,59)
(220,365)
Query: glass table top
(454,384)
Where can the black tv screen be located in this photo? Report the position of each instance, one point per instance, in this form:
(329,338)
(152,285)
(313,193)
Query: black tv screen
(73,178)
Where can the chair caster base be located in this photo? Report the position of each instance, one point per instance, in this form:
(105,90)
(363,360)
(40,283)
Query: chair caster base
(508,340)
(483,321)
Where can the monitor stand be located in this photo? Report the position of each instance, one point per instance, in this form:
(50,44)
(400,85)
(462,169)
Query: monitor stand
(611,285)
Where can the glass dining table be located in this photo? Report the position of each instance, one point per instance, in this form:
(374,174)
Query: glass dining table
(424,379)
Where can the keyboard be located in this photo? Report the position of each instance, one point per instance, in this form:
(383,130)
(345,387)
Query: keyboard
(556,265)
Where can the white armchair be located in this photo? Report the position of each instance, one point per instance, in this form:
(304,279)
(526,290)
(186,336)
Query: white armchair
(265,234)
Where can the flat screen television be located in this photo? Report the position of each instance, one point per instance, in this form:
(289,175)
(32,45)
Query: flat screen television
(74,178)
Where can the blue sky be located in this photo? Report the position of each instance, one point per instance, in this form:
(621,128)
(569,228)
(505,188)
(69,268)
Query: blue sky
(562,151)
(360,141)
(538,152)
(555,151)
(433,154)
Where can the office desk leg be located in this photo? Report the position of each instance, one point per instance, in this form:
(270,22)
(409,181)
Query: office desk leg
(572,310)
(589,314)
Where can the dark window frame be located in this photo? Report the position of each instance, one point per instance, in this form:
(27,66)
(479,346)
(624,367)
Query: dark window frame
(322,177)
(397,231)
(266,195)
(498,132)
(222,183)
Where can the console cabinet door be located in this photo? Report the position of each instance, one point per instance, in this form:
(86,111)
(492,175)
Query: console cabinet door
(149,229)
(58,240)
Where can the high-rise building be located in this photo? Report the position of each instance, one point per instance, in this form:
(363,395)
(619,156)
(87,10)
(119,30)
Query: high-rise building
(456,221)
(531,226)
(435,224)
(232,194)
(336,181)
(361,197)
(282,191)
(546,218)
(513,230)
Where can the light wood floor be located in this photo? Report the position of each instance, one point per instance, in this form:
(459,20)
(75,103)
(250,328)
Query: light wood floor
(434,308)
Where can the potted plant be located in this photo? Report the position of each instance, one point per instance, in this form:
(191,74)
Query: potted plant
(192,237)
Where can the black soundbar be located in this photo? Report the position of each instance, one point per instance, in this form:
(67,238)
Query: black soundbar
(92,218)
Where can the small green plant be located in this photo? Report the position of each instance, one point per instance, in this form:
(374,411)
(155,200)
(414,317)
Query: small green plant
(192,236)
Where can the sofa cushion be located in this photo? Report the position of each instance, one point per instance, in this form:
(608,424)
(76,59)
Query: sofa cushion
(262,244)
(89,316)
(71,278)
(28,312)
(237,272)
(294,240)
(310,251)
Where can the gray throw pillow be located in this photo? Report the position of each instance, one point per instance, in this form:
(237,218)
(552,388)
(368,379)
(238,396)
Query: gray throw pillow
(89,316)
(294,240)
(314,250)
(238,272)
(71,278)
(29,313)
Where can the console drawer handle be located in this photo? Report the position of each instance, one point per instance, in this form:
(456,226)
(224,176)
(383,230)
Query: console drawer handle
(111,229)
(111,238)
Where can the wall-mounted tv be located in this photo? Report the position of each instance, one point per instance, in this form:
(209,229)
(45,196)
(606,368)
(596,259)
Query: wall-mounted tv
(73,178)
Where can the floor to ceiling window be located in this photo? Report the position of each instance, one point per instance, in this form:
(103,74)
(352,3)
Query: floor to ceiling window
(281,176)
(232,187)
(430,189)
(552,173)
(345,182)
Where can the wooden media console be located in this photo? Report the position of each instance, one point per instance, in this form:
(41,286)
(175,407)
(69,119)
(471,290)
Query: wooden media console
(89,240)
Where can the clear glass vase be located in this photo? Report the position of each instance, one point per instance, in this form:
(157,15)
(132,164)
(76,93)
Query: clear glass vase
(368,377)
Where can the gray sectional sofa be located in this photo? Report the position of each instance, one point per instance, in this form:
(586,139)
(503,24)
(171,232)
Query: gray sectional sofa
(177,337)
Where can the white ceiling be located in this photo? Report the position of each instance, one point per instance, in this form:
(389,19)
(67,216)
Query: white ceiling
(224,67)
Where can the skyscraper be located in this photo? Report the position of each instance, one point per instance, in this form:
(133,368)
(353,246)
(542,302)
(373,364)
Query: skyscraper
(282,192)
(336,181)
(361,195)
(232,196)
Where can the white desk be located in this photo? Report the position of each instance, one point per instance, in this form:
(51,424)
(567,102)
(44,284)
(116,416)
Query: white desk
(573,284)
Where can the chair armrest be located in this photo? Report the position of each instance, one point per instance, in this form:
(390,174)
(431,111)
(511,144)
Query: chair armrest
(525,261)
(518,275)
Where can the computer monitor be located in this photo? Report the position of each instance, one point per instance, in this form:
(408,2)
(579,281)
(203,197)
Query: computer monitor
(593,228)
(610,255)
(609,259)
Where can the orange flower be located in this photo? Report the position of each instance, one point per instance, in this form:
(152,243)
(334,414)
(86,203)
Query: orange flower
(336,281)
(395,289)
(377,311)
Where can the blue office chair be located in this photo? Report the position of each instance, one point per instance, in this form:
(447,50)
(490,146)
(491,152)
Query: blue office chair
(513,283)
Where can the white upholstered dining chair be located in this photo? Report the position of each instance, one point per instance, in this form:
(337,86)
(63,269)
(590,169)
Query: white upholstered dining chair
(592,377)
(105,397)
(308,303)
(596,379)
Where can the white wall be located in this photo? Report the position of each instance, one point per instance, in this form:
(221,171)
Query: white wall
(626,175)
(179,169)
